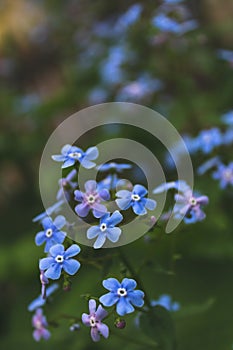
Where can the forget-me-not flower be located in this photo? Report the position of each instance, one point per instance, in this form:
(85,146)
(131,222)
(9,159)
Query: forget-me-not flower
(60,259)
(106,229)
(135,199)
(52,233)
(209,139)
(91,200)
(165,300)
(72,154)
(224,174)
(123,295)
(40,324)
(94,320)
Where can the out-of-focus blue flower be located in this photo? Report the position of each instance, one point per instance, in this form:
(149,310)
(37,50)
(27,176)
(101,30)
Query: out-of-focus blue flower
(135,199)
(179,185)
(110,69)
(210,163)
(40,301)
(119,167)
(90,200)
(226,55)
(189,205)
(224,174)
(227,118)
(140,88)
(166,301)
(97,95)
(51,210)
(209,139)
(94,320)
(169,25)
(128,18)
(60,259)
(106,229)
(40,324)
(227,137)
(123,295)
(67,185)
(52,233)
(72,154)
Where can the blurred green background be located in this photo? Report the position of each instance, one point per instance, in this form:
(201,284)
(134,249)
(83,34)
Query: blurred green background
(54,60)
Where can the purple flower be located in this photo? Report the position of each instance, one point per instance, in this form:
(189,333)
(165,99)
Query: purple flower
(40,301)
(67,185)
(40,324)
(94,320)
(90,200)
(60,259)
(135,199)
(189,205)
(72,154)
(119,167)
(122,294)
(52,233)
(166,301)
(106,229)
(224,173)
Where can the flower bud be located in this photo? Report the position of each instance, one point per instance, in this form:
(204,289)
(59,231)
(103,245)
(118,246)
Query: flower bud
(120,323)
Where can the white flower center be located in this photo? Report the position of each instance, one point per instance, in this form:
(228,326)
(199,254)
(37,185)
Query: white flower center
(122,292)
(38,324)
(59,258)
(92,321)
(193,201)
(75,155)
(48,232)
(91,199)
(103,227)
(135,197)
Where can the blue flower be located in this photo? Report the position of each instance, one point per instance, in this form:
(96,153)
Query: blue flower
(106,229)
(114,166)
(52,233)
(72,154)
(49,211)
(226,55)
(128,18)
(135,199)
(224,173)
(94,320)
(40,301)
(227,118)
(123,295)
(67,185)
(60,259)
(90,200)
(209,139)
(166,301)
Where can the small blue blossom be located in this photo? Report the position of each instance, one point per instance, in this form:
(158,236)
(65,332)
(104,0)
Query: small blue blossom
(106,229)
(128,18)
(94,320)
(166,301)
(122,294)
(60,259)
(40,324)
(226,55)
(209,139)
(227,137)
(224,174)
(110,69)
(52,233)
(119,167)
(40,301)
(227,118)
(49,211)
(135,199)
(66,185)
(72,154)
(90,200)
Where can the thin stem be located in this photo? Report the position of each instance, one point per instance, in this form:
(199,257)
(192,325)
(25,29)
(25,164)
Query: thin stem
(134,275)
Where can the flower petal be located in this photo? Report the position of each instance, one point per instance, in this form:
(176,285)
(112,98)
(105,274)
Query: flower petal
(136,297)
(54,271)
(140,190)
(139,208)
(95,334)
(104,194)
(86,319)
(68,163)
(45,263)
(59,221)
(103,329)
(113,234)
(82,209)
(100,313)
(47,222)
(91,153)
(92,306)
(71,266)
(124,307)
(45,333)
(65,149)
(98,210)
(36,335)
(150,204)
(40,238)
(58,157)
(115,218)
(57,249)
(90,186)
(72,251)
(78,196)
(124,203)
(87,163)
(100,241)
(59,237)
(129,284)
(109,299)
(93,231)
(124,194)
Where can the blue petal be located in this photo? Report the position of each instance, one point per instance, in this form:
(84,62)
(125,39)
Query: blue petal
(109,299)
(78,196)
(59,236)
(58,158)
(90,186)
(93,231)
(92,306)
(124,194)
(45,263)
(47,222)
(50,242)
(51,289)
(57,249)
(59,221)
(72,251)
(139,208)
(150,204)
(124,307)
(115,218)
(54,272)
(87,163)
(71,266)
(100,313)
(129,284)
(98,210)
(38,302)
(82,209)
(136,298)
(140,190)
(68,163)
(123,203)
(111,284)
(104,194)
(65,149)
(113,234)
(103,329)
(100,241)
(95,334)
(40,238)
(91,153)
